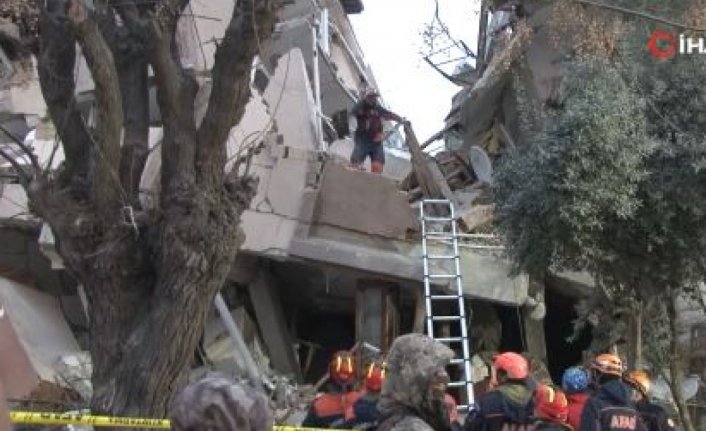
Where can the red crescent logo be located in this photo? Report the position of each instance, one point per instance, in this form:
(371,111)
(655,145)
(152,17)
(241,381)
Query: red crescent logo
(662,44)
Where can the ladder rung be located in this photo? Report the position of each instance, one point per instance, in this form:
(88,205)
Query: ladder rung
(445,318)
(444,297)
(450,339)
(462,407)
(439,238)
(437,219)
(436,201)
(456,361)
(439,256)
(446,276)
(456,384)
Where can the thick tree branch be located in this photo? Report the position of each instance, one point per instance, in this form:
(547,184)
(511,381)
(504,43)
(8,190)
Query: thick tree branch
(252,21)
(135,95)
(106,188)
(176,92)
(56,62)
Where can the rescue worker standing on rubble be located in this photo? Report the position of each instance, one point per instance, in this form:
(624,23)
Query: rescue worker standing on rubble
(653,415)
(509,403)
(412,397)
(328,409)
(575,383)
(610,408)
(551,410)
(364,413)
(369,133)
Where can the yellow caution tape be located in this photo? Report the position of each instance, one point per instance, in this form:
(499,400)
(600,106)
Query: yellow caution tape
(44,418)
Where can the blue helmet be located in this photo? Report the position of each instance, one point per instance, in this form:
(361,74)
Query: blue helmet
(575,379)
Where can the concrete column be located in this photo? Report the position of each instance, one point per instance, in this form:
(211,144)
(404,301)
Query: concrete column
(269,312)
(377,320)
(534,328)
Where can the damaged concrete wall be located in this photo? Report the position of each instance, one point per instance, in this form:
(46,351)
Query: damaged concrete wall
(37,336)
(363,202)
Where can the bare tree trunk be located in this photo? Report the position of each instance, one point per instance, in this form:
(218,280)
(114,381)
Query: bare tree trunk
(675,368)
(150,279)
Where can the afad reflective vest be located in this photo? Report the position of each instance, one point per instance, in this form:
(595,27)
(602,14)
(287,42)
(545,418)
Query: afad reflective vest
(619,419)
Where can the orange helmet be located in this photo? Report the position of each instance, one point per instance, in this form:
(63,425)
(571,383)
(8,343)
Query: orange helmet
(374,377)
(551,404)
(513,364)
(608,363)
(640,380)
(342,368)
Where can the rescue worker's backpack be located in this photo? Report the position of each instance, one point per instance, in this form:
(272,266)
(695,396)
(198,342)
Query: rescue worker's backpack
(619,419)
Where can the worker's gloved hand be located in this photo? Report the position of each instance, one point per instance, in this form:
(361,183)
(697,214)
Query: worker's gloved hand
(405,122)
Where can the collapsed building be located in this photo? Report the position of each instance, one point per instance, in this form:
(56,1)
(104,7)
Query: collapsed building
(332,256)
(518,72)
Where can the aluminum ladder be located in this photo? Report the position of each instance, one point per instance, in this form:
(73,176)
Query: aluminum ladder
(442,230)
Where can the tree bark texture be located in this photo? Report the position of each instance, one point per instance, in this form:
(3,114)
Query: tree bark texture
(150,276)
(675,366)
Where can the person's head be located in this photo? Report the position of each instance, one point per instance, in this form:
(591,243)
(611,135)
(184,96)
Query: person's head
(509,367)
(219,404)
(606,367)
(416,379)
(640,381)
(551,405)
(371,96)
(341,369)
(374,376)
(575,380)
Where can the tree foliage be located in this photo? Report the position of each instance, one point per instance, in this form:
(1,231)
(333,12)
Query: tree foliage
(614,181)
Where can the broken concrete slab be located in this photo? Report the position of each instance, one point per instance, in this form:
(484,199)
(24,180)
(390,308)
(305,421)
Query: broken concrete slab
(476,216)
(35,336)
(264,294)
(363,202)
(75,371)
(220,349)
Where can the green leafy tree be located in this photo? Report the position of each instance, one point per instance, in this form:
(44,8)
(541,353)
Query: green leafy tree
(614,184)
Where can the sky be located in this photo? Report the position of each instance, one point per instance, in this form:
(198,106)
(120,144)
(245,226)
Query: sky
(389,32)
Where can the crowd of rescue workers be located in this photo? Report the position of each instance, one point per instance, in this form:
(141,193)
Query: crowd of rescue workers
(407,390)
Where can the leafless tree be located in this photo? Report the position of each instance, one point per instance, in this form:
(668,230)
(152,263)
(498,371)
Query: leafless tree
(149,284)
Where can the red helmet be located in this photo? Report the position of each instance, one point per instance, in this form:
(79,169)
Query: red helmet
(342,368)
(513,364)
(551,404)
(374,377)
(608,363)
